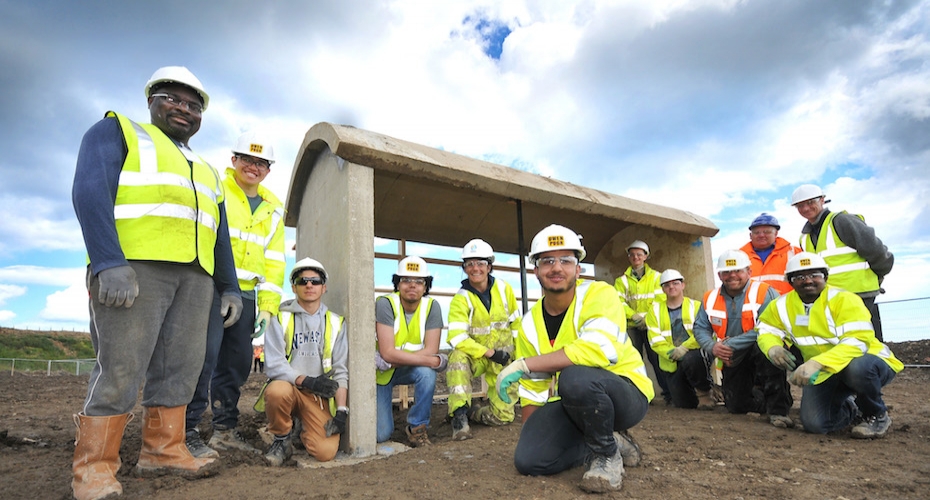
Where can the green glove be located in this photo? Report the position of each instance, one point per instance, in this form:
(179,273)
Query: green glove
(261,323)
(509,376)
(806,374)
(782,358)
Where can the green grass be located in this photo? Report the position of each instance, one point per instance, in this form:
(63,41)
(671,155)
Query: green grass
(24,344)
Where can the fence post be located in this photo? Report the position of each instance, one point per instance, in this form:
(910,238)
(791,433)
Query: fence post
(48,371)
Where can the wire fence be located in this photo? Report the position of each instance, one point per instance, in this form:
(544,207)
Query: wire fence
(49,366)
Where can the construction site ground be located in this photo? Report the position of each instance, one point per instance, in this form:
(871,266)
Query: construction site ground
(687,454)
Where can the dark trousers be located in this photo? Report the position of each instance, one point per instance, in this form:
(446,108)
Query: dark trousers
(225,368)
(691,375)
(560,435)
(876,317)
(639,336)
(755,370)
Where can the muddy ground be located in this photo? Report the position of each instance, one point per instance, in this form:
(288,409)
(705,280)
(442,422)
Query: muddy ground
(687,454)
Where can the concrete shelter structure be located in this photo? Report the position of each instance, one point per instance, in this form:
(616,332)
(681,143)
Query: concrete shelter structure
(350,185)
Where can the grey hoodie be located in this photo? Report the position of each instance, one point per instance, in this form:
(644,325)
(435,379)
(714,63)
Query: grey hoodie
(308,337)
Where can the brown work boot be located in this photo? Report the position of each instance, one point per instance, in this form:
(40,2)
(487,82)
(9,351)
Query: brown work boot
(96,456)
(417,436)
(705,400)
(163,448)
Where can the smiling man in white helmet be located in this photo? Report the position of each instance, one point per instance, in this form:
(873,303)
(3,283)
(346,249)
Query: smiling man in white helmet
(844,366)
(859,260)
(408,327)
(582,385)
(154,223)
(256,229)
(725,328)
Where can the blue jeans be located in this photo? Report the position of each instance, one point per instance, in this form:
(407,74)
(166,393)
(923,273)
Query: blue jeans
(829,406)
(560,435)
(423,380)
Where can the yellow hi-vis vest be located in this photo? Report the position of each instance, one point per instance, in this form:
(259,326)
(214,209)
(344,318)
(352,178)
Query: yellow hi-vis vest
(410,337)
(837,330)
(257,242)
(331,330)
(659,324)
(638,295)
(848,270)
(593,334)
(474,330)
(167,203)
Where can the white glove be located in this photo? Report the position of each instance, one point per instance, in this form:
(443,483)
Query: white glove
(509,376)
(380,363)
(782,358)
(677,353)
(443,362)
(261,323)
(638,319)
(806,374)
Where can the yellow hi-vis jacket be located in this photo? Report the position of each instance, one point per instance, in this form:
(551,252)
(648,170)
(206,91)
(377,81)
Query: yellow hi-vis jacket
(638,295)
(848,270)
(659,325)
(837,330)
(257,242)
(410,337)
(593,334)
(473,329)
(333,326)
(167,203)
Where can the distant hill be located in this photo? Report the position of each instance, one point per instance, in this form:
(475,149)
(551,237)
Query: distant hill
(30,344)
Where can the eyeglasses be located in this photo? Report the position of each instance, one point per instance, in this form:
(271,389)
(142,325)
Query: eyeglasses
(475,263)
(192,106)
(255,162)
(566,261)
(415,281)
(313,280)
(760,232)
(800,278)
(807,203)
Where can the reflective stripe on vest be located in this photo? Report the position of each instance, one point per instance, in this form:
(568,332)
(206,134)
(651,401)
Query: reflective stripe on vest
(848,270)
(660,309)
(332,327)
(715,307)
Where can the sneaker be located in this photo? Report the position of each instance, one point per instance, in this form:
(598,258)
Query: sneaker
(605,473)
(417,436)
(629,450)
(226,439)
(197,447)
(460,429)
(781,421)
(279,451)
(875,426)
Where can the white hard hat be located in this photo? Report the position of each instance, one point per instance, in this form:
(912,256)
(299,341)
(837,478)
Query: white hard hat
(804,261)
(253,144)
(732,260)
(670,275)
(478,249)
(177,74)
(556,237)
(640,244)
(412,266)
(806,192)
(308,263)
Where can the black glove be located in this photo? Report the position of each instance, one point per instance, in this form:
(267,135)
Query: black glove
(500,357)
(321,386)
(337,424)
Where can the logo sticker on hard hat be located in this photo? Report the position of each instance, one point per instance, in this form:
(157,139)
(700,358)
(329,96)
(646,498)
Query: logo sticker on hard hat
(805,262)
(255,148)
(556,241)
(413,267)
(731,262)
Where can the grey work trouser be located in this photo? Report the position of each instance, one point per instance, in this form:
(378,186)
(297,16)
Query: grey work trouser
(159,341)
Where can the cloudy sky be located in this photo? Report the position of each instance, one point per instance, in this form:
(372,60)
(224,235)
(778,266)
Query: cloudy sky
(718,107)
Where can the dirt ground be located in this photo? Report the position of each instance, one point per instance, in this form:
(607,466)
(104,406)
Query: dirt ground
(687,454)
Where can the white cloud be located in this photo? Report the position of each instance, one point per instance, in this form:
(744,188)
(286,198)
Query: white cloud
(6,316)
(39,275)
(10,291)
(68,305)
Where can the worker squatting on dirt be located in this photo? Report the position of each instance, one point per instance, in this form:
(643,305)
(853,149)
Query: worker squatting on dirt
(483,320)
(725,328)
(154,224)
(256,230)
(844,366)
(670,323)
(582,385)
(408,326)
(306,355)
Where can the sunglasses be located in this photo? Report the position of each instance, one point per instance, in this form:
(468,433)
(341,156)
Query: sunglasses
(313,280)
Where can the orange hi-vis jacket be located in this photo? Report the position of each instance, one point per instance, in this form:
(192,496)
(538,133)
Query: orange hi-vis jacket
(716,309)
(772,271)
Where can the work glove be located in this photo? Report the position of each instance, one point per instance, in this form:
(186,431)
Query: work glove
(443,362)
(782,358)
(806,374)
(509,376)
(677,353)
(380,363)
(500,357)
(639,319)
(261,323)
(231,309)
(321,386)
(118,286)
(337,424)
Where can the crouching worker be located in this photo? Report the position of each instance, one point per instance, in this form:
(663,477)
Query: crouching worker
(582,385)
(844,366)
(306,354)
